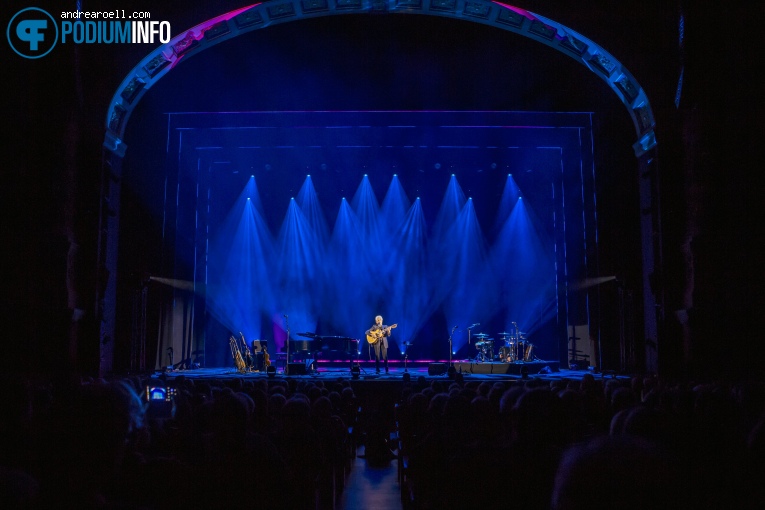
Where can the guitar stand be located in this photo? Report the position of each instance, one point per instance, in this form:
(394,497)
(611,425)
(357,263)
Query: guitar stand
(358,359)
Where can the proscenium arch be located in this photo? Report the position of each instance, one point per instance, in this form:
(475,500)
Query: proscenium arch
(499,15)
(254,17)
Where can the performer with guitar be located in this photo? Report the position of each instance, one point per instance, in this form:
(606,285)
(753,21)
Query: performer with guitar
(377,336)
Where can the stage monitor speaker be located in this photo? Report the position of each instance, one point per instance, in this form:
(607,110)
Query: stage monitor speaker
(299,368)
(437,369)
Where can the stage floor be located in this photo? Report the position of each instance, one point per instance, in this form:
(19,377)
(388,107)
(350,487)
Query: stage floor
(468,370)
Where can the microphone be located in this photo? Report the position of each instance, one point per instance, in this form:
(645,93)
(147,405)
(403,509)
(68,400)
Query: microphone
(476,324)
(285,315)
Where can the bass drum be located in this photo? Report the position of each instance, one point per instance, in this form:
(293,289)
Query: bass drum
(507,353)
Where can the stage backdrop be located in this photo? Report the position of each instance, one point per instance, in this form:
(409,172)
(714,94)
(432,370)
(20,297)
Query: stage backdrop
(315,222)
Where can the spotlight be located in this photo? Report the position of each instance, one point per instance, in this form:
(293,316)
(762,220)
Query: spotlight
(355,372)
(271,371)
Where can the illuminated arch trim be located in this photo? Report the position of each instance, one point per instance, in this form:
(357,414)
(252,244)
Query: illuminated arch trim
(254,17)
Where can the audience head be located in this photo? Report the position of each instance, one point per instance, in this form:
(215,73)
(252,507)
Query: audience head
(623,472)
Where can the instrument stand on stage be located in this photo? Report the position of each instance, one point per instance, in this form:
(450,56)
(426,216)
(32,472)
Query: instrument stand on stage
(287,327)
(450,345)
(485,348)
(358,351)
(406,356)
(469,330)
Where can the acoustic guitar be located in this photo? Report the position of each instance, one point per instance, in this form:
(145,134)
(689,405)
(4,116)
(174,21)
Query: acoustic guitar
(374,336)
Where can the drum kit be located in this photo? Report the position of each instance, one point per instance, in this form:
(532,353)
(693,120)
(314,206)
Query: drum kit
(485,346)
(515,347)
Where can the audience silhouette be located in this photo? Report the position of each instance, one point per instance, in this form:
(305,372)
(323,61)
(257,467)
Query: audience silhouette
(562,444)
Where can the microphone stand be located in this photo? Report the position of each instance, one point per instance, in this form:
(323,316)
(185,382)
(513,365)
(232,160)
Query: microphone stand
(518,354)
(287,327)
(450,345)
(406,356)
(469,331)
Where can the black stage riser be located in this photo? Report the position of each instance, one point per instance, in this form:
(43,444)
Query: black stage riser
(530,367)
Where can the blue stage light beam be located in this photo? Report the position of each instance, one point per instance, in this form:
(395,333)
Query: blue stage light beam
(510,195)
(523,260)
(354,290)
(410,300)
(394,208)
(240,258)
(298,280)
(472,294)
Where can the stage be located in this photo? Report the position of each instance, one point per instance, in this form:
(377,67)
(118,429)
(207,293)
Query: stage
(464,370)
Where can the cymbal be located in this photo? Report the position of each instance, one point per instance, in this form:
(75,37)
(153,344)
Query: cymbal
(504,333)
(307,335)
(481,335)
